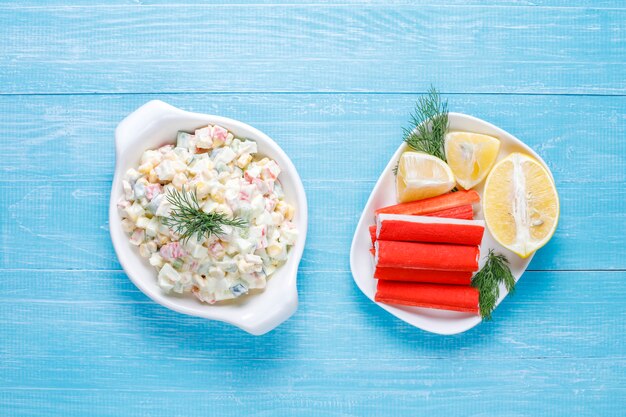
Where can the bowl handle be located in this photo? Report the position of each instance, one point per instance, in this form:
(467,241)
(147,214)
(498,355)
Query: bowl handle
(139,122)
(278,313)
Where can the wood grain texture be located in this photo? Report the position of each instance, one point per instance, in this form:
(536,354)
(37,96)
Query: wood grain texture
(52,221)
(307,48)
(592,4)
(101,308)
(333,84)
(318,131)
(515,395)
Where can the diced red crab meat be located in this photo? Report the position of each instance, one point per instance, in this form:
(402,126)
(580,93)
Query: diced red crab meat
(244,196)
(198,294)
(219,133)
(267,173)
(216,249)
(152,191)
(270,205)
(261,186)
(123,205)
(271,170)
(172,251)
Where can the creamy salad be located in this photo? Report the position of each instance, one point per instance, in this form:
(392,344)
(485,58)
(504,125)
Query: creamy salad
(227,177)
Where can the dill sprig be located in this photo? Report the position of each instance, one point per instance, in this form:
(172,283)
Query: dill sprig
(428,125)
(188,219)
(487,282)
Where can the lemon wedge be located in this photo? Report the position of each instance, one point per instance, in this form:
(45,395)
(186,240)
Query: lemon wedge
(422,176)
(520,204)
(470,156)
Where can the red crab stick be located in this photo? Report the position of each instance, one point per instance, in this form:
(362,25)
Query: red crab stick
(429,229)
(433,204)
(423,275)
(462,212)
(373,234)
(435,256)
(465,212)
(443,297)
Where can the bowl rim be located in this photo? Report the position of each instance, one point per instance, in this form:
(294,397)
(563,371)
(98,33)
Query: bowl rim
(128,134)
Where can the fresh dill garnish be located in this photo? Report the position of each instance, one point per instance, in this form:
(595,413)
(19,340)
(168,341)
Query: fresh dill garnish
(188,219)
(487,282)
(428,126)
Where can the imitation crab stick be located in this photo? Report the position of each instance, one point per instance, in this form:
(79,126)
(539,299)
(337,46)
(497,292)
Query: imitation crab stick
(444,297)
(433,204)
(373,233)
(429,229)
(462,212)
(465,212)
(435,256)
(423,275)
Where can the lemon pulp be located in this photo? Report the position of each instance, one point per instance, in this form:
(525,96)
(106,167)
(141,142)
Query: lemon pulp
(520,204)
(470,156)
(422,176)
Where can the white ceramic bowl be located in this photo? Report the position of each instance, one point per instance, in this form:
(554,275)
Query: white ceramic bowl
(384,194)
(155,124)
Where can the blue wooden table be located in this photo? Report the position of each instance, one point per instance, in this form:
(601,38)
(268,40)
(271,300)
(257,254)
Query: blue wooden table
(333,84)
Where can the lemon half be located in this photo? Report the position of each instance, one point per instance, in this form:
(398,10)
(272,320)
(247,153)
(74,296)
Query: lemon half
(470,156)
(422,176)
(520,204)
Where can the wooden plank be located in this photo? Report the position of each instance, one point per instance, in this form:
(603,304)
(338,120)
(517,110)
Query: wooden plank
(303,48)
(89,343)
(593,4)
(561,395)
(320,132)
(64,225)
(555,387)
(113,286)
(97,309)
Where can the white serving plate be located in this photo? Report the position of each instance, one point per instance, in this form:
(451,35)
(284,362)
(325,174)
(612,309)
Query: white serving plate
(384,194)
(155,124)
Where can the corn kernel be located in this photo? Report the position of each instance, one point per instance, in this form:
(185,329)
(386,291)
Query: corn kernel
(145,168)
(290,212)
(202,189)
(273,250)
(217,142)
(218,195)
(244,160)
(163,239)
(179,180)
(281,207)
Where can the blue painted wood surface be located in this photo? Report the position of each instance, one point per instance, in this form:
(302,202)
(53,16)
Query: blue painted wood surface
(333,84)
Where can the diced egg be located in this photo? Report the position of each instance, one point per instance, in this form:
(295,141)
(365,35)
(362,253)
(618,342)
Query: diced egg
(134,211)
(165,171)
(142,222)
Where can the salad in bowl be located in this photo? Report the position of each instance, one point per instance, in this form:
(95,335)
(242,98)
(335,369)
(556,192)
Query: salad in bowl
(208,216)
